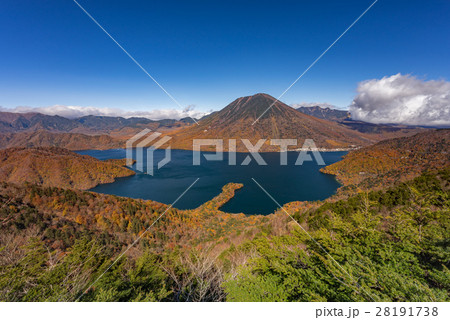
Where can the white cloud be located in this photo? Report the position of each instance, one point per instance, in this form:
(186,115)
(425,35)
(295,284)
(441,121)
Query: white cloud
(402,99)
(77,111)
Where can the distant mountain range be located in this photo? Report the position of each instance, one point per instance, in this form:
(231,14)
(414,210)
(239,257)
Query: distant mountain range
(343,117)
(389,130)
(279,122)
(325,113)
(18,122)
(329,128)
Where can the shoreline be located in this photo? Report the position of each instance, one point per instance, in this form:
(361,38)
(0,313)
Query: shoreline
(226,151)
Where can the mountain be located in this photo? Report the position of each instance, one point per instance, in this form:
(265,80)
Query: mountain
(15,122)
(18,122)
(208,115)
(111,123)
(57,167)
(279,122)
(71,141)
(388,130)
(384,131)
(173,122)
(325,113)
(390,161)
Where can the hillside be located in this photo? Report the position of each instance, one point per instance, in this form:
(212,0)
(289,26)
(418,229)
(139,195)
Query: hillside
(390,161)
(67,222)
(55,243)
(391,245)
(71,141)
(325,113)
(280,122)
(57,167)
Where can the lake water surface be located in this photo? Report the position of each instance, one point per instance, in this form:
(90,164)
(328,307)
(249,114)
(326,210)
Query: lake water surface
(285,183)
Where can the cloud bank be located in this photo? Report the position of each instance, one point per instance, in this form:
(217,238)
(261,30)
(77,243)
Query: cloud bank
(403,99)
(72,112)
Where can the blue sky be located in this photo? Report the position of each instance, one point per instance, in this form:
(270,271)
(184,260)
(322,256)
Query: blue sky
(207,53)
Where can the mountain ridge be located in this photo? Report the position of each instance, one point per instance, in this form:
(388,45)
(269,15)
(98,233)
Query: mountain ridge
(11,122)
(325,113)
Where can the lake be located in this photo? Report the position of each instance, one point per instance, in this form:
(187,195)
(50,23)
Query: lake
(285,183)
